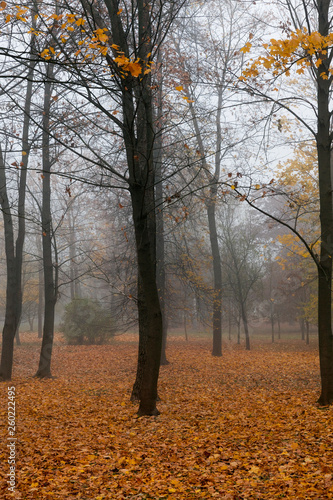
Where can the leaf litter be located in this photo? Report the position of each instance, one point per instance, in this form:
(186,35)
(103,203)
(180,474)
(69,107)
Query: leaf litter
(243,426)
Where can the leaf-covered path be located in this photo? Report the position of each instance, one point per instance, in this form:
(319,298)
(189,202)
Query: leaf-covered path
(244,426)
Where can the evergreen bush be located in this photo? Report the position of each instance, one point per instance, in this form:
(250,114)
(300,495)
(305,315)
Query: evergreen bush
(85,321)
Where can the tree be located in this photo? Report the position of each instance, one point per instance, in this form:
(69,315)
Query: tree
(243,266)
(14,249)
(214,137)
(108,51)
(309,48)
(50,280)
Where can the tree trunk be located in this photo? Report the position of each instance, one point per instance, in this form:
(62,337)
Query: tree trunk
(185,326)
(153,328)
(44,368)
(326,218)
(160,243)
(325,337)
(271,308)
(17,334)
(75,291)
(40,299)
(14,253)
(217,296)
(238,330)
(210,206)
(10,324)
(302,325)
(246,328)
(138,134)
(229,320)
(142,314)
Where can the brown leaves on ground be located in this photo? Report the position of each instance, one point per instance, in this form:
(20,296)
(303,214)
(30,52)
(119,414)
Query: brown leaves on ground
(244,426)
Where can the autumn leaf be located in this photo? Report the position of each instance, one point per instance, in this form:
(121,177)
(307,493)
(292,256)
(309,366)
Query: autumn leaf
(134,68)
(228,425)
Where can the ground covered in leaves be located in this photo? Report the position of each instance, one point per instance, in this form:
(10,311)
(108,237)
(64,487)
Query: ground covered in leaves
(244,426)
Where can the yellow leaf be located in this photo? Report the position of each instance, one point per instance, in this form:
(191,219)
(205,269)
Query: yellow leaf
(246,48)
(134,68)
(180,88)
(254,469)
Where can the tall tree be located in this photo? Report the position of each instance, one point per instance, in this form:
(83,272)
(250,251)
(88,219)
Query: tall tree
(308,48)
(221,37)
(14,249)
(44,367)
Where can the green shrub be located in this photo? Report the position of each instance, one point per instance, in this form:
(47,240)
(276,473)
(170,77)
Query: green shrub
(86,322)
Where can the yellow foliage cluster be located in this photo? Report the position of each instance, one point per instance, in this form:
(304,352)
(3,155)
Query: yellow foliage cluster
(89,45)
(301,48)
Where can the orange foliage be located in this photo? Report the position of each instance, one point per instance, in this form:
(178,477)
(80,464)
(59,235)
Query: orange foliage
(243,426)
(301,48)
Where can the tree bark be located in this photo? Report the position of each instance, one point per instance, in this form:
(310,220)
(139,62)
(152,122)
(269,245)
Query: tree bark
(272,321)
(160,243)
(302,325)
(246,327)
(40,287)
(9,329)
(152,338)
(217,270)
(279,326)
(14,252)
(44,368)
(324,141)
(142,315)
(138,133)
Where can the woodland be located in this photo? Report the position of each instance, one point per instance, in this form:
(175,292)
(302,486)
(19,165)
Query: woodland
(166,249)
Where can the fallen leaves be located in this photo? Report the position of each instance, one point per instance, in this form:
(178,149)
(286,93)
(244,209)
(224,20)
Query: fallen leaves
(243,426)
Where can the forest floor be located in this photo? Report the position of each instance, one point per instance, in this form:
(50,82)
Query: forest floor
(243,426)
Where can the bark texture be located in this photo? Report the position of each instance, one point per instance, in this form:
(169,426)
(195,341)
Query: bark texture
(44,367)
(324,143)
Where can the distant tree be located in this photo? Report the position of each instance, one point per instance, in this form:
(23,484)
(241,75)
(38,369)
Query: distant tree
(242,264)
